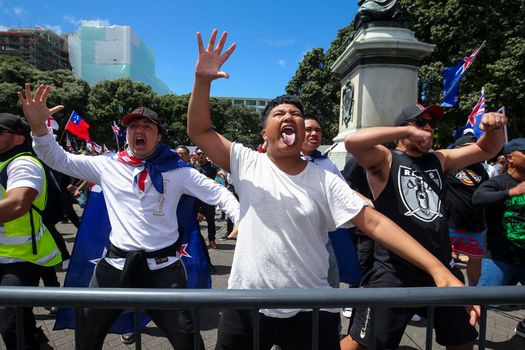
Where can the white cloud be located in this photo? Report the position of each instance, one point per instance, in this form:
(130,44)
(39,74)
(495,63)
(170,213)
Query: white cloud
(278,42)
(3,28)
(281,63)
(95,22)
(19,10)
(56,29)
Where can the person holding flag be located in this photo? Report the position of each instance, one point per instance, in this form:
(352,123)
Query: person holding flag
(142,187)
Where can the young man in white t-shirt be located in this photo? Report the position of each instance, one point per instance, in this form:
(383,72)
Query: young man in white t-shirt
(287,207)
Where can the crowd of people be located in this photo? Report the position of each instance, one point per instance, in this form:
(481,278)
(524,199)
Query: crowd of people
(414,208)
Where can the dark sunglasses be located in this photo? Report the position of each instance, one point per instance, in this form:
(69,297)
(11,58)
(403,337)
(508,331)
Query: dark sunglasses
(421,122)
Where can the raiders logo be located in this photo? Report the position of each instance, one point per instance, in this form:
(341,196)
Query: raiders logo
(418,197)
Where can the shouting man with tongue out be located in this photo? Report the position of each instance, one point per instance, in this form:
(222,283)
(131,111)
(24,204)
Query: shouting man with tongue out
(288,205)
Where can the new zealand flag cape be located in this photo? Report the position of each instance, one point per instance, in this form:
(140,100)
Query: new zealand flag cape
(346,255)
(92,242)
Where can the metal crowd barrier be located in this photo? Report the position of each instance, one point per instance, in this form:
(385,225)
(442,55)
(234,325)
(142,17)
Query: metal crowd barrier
(196,299)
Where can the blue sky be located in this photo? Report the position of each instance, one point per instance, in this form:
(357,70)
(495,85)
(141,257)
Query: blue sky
(272,36)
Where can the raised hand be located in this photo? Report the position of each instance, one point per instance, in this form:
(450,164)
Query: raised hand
(492,121)
(35,108)
(421,138)
(210,60)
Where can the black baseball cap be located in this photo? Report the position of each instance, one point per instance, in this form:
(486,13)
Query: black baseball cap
(514,145)
(14,124)
(411,112)
(141,112)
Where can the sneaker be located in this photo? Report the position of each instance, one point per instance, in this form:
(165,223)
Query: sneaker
(347,312)
(520,329)
(128,338)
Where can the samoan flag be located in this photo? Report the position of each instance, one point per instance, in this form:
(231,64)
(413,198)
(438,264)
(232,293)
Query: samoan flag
(452,77)
(78,126)
(92,242)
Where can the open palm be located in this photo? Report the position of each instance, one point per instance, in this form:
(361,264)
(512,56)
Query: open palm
(210,59)
(35,107)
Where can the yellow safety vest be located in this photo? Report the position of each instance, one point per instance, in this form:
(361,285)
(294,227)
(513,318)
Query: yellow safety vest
(16,236)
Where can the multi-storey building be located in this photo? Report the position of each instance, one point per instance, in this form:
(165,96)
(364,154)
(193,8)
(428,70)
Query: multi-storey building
(258,104)
(40,47)
(110,52)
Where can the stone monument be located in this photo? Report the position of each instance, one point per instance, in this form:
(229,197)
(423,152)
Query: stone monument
(378,69)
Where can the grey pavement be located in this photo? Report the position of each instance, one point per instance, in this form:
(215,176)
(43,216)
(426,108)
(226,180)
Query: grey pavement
(500,323)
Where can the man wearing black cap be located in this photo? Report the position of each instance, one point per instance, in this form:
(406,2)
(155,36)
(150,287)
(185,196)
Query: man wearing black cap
(408,185)
(503,197)
(26,246)
(142,187)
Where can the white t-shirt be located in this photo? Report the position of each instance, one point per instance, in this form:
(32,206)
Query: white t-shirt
(23,172)
(285,220)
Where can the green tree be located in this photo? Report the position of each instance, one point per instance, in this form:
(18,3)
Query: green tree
(67,90)
(110,100)
(457,27)
(319,87)
(172,110)
(243,125)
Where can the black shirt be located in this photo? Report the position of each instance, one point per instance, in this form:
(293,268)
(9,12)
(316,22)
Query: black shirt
(494,195)
(461,186)
(411,202)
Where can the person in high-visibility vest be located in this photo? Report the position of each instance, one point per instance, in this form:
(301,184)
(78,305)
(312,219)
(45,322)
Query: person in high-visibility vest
(25,243)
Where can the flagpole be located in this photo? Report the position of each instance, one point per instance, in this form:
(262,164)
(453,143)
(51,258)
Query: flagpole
(65,127)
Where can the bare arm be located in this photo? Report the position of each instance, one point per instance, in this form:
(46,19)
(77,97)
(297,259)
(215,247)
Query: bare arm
(487,146)
(200,128)
(17,202)
(366,146)
(387,233)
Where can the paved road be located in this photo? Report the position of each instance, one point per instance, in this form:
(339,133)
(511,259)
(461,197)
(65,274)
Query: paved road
(500,324)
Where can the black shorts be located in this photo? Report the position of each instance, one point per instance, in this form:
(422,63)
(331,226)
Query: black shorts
(236,331)
(451,323)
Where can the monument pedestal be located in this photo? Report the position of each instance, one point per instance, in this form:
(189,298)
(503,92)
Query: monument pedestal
(379,76)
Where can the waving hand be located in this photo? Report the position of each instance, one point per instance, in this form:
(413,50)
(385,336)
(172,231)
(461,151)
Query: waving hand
(211,59)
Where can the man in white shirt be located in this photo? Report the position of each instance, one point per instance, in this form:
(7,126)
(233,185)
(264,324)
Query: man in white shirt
(288,205)
(142,187)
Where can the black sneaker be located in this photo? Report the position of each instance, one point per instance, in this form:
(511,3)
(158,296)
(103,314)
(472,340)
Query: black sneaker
(128,338)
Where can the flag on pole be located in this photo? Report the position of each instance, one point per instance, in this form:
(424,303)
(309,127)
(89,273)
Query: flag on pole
(452,77)
(473,120)
(78,126)
(115,128)
(52,123)
(91,245)
(502,111)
